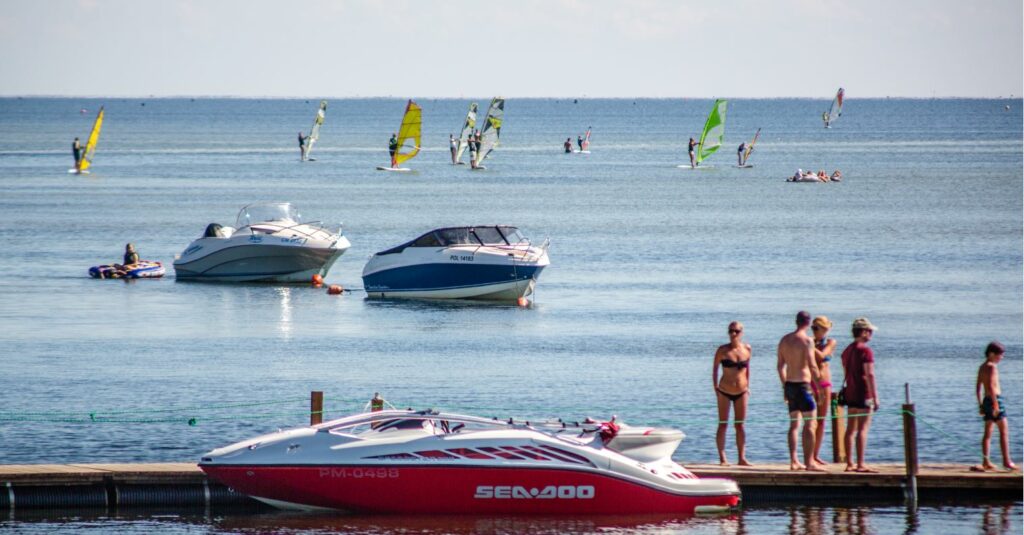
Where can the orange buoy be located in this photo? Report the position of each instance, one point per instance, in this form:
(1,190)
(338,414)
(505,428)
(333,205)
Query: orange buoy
(334,289)
(317,280)
(522,301)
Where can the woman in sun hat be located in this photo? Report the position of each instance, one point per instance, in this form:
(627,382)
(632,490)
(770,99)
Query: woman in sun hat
(860,391)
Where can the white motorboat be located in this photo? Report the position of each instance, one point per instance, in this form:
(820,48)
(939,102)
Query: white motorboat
(269,242)
(492,262)
(428,462)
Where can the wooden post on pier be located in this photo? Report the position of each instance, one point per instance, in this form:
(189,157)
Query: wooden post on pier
(838,431)
(316,407)
(910,447)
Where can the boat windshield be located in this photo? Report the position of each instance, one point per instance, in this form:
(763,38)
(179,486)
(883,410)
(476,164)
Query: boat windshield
(512,235)
(261,213)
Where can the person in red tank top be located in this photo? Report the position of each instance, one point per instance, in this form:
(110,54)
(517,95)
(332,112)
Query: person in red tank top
(860,391)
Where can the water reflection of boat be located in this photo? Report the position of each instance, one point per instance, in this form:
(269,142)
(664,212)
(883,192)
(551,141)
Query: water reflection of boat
(426,462)
(269,242)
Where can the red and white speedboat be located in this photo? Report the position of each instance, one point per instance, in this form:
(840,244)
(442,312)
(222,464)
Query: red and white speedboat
(423,462)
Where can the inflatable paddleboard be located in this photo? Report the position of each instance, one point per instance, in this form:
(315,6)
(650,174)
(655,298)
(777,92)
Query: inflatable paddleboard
(581,151)
(143,270)
(394,169)
(77,172)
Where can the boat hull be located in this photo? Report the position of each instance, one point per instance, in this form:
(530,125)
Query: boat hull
(454,490)
(250,263)
(454,281)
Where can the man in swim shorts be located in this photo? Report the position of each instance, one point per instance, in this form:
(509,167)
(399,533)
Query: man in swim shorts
(797,368)
(991,407)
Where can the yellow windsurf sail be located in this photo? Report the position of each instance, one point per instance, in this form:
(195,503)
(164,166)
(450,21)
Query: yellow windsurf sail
(409,131)
(90,146)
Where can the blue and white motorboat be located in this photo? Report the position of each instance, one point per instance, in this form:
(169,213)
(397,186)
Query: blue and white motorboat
(493,262)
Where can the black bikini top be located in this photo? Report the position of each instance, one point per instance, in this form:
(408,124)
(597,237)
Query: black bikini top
(741,364)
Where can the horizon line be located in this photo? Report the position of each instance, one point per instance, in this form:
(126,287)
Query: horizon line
(460,97)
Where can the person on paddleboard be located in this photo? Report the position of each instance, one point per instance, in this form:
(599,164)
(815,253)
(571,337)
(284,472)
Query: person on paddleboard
(76,150)
(579,141)
(568,145)
(693,154)
(302,146)
(393,147)
(739,153)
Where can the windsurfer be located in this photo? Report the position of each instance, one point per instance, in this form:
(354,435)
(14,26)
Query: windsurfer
(453,144)
(302,146)
(824,117)
(739,153)
(393,148)
(693,154)
(472,149)
(76,149)
(568,145)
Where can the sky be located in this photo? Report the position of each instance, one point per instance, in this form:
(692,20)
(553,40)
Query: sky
(524,48)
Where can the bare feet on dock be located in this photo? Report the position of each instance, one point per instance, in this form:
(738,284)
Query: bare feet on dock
(819,461)
(850,468)
(865,470)
(744,462)
(816,467)
(1010,466)
(794,465)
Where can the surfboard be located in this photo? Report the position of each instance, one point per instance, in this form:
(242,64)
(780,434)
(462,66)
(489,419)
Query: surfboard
(394,169)
(698,168)
(581,151)
(477,168)
(77,172)
(745,166)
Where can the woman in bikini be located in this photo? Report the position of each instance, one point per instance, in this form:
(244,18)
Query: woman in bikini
(823,349)
(734,359)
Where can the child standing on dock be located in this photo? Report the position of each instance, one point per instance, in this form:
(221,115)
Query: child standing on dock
(992,408)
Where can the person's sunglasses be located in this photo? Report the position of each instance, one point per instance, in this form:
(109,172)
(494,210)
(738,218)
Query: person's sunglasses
(735,331)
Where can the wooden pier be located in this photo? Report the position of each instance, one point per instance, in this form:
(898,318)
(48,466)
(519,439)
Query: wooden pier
(52,486)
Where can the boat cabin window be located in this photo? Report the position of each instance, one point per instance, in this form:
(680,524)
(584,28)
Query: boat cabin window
(512,235)
(457,236)
(427,240)
(489,235)
(261,213)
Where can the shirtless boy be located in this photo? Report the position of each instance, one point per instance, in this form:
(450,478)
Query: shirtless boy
(991,407)
(797,368)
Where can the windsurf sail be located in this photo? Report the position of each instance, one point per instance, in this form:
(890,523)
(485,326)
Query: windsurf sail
(314,132)
(90,146)
(491,130)
(714,131)
(586,141)
(750,147)
(467,130)
(409,131)
(836,110)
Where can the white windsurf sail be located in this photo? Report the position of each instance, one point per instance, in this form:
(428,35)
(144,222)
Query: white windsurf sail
(314,132)
(467,130)
(491,130)
(835,110)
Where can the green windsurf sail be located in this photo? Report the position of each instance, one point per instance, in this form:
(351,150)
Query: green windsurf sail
(714,131)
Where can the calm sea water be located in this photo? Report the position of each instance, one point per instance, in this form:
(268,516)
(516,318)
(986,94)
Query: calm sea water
(649,264)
